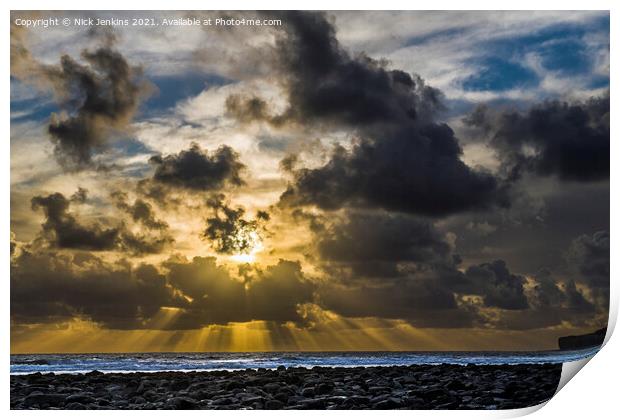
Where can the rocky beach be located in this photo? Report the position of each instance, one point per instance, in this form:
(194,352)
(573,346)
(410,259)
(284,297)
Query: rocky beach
(398,387)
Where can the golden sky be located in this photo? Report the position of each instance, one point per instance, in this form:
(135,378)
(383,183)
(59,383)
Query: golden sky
(327,181)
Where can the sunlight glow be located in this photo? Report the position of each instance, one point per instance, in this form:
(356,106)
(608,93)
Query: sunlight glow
(250,256)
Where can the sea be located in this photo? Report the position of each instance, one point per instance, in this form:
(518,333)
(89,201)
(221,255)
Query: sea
(184,362)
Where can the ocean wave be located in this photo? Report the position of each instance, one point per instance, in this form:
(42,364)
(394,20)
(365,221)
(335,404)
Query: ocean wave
(156,362)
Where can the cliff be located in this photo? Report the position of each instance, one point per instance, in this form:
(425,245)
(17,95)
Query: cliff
(573,342)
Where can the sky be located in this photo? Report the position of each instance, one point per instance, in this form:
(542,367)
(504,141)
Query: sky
(421,181)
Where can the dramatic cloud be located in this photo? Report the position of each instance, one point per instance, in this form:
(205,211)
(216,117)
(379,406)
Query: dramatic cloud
(420,302)
(501,288)
(568,140)
(140,211)
(195,169)
(50,287)
(590,255)
(401,267)
(417,175)
(63,230)
(228,231)
(139,244)
(97,98)
(271,294)
(374,244)
(291,181)
(405,161)
(398,266)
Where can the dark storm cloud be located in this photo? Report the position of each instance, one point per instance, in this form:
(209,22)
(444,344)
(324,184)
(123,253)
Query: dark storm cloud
(374,244)
(154,237)
(63,230)
(589,255)
(50,287)
(551,294)
(400,266)
(140,243)
(568,140)
(500,287)
(552,302)
(140,211)
(576,300)
(417,175)
(97,97)
(547,292)
(419,302)
(196,169)
(326,84)
(228,231)
(270,294)
(405,160)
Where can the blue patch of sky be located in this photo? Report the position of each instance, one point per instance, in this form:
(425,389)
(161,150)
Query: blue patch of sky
(173,89)
(130,146)
(499,74)
(32,110)
(560,47)
(28,104)
(598,82)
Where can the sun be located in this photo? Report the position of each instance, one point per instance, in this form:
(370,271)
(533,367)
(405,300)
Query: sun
(255,246)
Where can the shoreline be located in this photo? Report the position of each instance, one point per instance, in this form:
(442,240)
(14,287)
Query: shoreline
(393,387)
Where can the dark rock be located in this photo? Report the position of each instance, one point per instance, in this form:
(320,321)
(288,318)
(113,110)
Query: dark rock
(308,392)
(271,388)
(379,389)
(80,398)
(150,395)
(221,401)
(274,405)
(455,384)
(313,403)
(387,404)
(183,403)
(575,342)
(282,396)
(75,406)
(179,385)
(40,398)
(324,388)
(413,387)
(292,379)
(358,400)
(95,373)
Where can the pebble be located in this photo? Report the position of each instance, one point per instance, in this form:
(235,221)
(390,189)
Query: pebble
(380,388)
